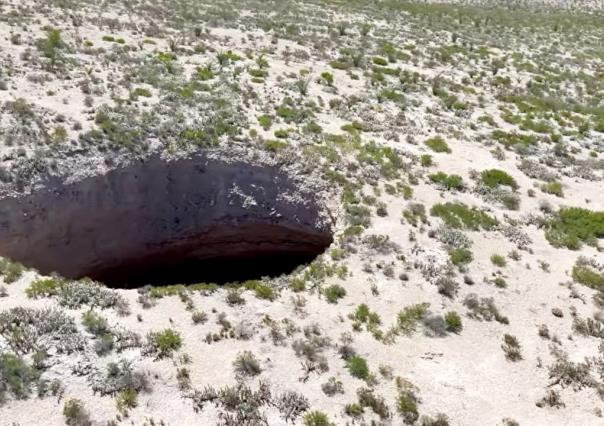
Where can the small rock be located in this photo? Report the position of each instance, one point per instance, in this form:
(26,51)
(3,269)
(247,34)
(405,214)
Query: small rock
(557,312)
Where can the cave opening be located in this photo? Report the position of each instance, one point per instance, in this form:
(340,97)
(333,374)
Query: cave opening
(162,222)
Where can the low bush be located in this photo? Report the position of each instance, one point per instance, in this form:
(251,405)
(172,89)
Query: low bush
(16,377)
(75,413)
(453,322)
(409,317)
(334,292)
(447,181)
(495,177)
(460,256)
(511,348)
(406,405)
(437,144)
(316,418)
(483,309)
(572,226)
(357,366)
(585,273)
(163,343)
(554,188)
(460,216)
(498,260)
(246,364)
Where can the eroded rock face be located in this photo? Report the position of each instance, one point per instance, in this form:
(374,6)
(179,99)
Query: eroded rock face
(167,221)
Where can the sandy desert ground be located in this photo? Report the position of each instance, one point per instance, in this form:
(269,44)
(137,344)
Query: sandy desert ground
(454,153)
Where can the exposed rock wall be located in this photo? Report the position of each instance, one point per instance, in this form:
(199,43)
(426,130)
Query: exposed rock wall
(162,214)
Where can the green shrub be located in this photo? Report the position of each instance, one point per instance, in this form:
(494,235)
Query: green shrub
(327,78)
(453,322)
(447,181)
(438,144)
(498,260)
(126,400)
(406,404)
(357,366)
(554,188)
(588,276)
(426,160)
(572,226)
(261,290)
(379,61)
(164,343)
(16,377)
(415,213)
(458,215)
(334,292)
(495,177)
(94,323)
(205,73)
(281,133)
(75,413)
(316,418)
(246,364)
(266,121)
(460,256)
(409,317)
(51,46)
(353,410)
(11,271)
(44,288)
(140,91)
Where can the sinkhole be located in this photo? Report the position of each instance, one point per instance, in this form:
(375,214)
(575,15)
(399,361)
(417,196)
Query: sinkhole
(160,222)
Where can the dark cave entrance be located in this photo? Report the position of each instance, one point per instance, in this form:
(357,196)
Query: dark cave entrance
(168,222)
(218,270)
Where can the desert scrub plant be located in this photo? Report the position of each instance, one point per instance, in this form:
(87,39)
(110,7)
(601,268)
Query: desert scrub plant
(332,387)
(316,418)
(460,216)
(126,400)
(333,293)
(438,144)
(246,364)
(498,260)
(554,188)
(27,330)
(453,322)
(460,256)
(75,413)
(327,78)
(426,160)
(16,377)
(260,289)
(511,348)
(52,46)
(199,317)
(357,367)
(163,344)
(364,315)
(10,271)
(446,181)
(406,405)
(265,121)
(572,226)
(94,323)
(415,213)
(44,288)
(483,309)
(409,317)
(493,178)
(367,398)
(588,273)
